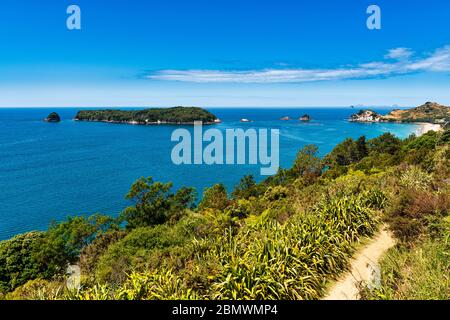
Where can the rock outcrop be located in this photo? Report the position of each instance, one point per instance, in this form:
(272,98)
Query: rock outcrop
(366,116)
(53,117)
(305,117)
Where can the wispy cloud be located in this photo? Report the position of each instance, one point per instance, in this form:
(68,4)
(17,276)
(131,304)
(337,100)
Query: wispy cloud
(397,61)
(399,53)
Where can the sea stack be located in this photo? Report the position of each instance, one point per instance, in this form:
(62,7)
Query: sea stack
(305,117)
(53,117)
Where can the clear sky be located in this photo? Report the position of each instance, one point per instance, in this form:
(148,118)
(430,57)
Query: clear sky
(224,53)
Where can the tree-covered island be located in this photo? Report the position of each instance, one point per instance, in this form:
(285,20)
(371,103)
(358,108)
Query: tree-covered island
(176,115)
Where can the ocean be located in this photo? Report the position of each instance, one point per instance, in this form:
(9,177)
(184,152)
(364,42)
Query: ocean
(49,171)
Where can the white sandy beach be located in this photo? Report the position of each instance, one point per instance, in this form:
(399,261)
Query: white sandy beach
(425,127)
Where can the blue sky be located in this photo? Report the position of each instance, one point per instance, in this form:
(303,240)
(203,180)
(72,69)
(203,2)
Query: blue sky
(224,53)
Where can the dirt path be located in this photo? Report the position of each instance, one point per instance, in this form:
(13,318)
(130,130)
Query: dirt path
(363,268)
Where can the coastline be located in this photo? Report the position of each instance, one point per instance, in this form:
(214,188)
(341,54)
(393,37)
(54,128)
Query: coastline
(148,123)
(424,127)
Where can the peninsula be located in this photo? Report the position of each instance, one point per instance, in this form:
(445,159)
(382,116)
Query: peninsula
(176,115)
(429,112)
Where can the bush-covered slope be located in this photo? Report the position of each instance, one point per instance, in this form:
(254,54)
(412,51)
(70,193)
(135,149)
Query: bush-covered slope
(284,238)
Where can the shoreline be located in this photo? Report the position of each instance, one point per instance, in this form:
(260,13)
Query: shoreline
(424,127)
(138,123)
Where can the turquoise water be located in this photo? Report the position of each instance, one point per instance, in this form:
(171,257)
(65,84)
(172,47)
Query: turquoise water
(49,171)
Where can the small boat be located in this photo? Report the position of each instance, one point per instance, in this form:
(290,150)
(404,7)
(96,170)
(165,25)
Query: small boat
(245,120)
(285,119)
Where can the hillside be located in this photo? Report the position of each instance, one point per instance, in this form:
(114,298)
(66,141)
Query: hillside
(428,112)
(287,237)
(176,115)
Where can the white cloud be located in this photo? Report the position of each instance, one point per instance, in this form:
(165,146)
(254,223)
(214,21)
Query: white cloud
(438,61)
(399,53)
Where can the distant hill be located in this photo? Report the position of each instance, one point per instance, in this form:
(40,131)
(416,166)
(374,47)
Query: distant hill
(176,115)
(428,112)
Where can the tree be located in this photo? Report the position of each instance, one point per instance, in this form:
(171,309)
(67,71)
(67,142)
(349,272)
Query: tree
(63,241)
(307,164)
(185,197)
(347,152)
(214,197)
(247,188)
(155,204)
(17,265)
(386,143)
(151,203)
(361,148)
(343,154)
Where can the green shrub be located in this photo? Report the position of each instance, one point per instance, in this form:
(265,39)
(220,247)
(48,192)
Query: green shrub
(214,197)
(155,203)
(17,262)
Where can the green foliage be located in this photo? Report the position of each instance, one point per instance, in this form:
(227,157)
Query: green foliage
(417,273)
(38,289)
(290,261)
(412,210)
(307,164)
(153,115)
(46,254)
(135,251)
(90,255)
(445,137)
(247,188)
(386,143)
(63,242)
(419,151)
(348,152)
(155,204)
(283,238)
(17,264)
(215,197)
(416,179)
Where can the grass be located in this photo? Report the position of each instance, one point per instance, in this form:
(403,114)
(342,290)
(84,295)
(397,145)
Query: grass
(418,271)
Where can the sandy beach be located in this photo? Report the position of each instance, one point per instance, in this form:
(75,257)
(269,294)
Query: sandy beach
(425,127)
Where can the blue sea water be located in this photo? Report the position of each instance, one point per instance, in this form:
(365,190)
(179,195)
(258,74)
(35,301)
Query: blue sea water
(49,171)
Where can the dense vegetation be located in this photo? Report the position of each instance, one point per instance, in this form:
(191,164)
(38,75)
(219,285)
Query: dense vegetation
(176,115)
(284,238)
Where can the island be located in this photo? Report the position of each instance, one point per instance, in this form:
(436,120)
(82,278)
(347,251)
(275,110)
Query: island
(175,115)
(53,117)
(430,112)
(305,117)
(366,116)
